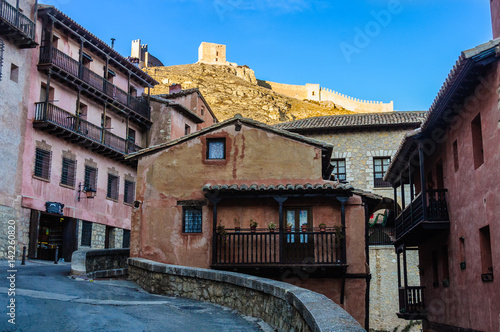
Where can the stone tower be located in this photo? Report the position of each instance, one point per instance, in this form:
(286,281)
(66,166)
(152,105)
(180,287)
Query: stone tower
(213,54)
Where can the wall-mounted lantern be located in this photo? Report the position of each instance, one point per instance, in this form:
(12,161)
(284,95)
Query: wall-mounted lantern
(88,190)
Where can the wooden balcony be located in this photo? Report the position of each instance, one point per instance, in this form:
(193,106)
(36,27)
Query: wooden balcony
(73,72)
(76,130)
(411,303)
(418,222)
(263,249)
(16,27)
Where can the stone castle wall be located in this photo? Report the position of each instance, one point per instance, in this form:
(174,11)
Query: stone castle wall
(317,93)
(354,104)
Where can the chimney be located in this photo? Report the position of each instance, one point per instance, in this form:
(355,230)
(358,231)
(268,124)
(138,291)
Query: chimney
(113,42)
(174,88)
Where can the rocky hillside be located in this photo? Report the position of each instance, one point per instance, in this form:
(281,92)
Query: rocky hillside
(231,90)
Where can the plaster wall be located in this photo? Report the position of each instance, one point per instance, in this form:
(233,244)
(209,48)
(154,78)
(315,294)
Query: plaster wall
(13,113)
(161,182)
(495,17)
(472,204)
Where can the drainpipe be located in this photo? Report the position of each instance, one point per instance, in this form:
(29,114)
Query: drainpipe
(422,179)
(342,201)
(214,201)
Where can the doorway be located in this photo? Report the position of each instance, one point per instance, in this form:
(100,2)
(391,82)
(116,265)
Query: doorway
(299,246)
(51,233)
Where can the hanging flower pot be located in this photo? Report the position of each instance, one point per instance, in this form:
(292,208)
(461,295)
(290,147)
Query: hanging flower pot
(304,228)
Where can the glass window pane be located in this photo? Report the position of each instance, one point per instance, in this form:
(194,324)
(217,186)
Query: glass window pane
(216,150)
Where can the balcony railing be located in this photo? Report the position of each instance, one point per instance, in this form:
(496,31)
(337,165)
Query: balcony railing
(95,81)
(67,121)
(411,302)
(262,248)
(436,209)
(17,21)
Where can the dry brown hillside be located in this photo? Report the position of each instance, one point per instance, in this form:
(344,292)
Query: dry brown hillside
(231,90)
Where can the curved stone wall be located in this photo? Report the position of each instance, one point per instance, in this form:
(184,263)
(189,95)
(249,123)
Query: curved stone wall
(284,306)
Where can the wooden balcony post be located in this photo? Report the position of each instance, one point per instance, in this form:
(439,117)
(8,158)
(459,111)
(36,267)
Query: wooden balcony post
(78,111)
(47,95)
(214,201)
(105,83)
(412,190)
(395,201)
(422,179)
(402,185)
(281,200)
(127,142)
(405,276)
(128,90)
(80,60)
(50,37)
(342,201)
(103,128)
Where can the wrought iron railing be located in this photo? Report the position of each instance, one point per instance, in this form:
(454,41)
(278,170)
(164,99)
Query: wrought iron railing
(378,236)
(436,210)
(411,300)
(76,69)
(16,19)
(68,121)
(263,248)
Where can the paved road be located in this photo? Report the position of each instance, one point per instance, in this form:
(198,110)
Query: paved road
(47,299)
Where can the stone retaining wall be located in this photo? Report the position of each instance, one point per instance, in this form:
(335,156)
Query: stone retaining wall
(100,263)
(284,306)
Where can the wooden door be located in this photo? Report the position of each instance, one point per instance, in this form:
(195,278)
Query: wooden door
(299,246)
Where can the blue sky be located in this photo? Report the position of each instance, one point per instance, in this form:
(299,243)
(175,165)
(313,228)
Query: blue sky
(400,50)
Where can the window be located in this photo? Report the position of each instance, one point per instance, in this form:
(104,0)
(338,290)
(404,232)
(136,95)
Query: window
(133,91)
(380,166)
(202,110)
(86,60)
(111,75)
(113,185)
(14,72)
(486,258)
(42,163)
(128,195)
(477,141)
(55,40)
(86,233)
(187,130)
(105,123)
(68,175)
(455,155)
(192,217)
(216,148)
(339,169)
(462,253)
(83,111)
(131,135)
(126,238)
(43,93)
(90,179)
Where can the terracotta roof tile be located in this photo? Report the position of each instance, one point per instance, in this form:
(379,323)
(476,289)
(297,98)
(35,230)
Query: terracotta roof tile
(389,119)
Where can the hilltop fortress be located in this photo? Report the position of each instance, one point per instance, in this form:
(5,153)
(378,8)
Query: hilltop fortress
(215,54)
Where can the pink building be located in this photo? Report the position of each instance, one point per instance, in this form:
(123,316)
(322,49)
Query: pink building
(451,215)
(86,111)
(179,113)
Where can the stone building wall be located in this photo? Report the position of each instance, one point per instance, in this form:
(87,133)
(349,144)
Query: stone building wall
(384,290)
(210,53)
(98,239)
(359,148)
